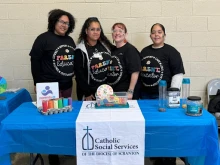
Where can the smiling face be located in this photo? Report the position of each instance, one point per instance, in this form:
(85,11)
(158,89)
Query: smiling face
(157,35)
(93,32)
(118,34)
(62,25)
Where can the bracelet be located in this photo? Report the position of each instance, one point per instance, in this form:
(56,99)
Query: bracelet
(130,91)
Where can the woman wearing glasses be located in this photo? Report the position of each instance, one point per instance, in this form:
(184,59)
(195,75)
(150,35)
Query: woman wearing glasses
(52,56)
(53,50)
(125,64)
(92,57)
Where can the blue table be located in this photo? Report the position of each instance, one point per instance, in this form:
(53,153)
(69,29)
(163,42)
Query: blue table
(12,101)
(168,134)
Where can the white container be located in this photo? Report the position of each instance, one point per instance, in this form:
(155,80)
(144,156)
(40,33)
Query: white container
(173,98)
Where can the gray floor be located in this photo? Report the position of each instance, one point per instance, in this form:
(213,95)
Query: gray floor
(23,159)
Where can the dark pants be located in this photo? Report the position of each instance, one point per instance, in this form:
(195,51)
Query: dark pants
(80,94)
(137,91)
(167,161)
(164,161)
(65,93)
(54,159)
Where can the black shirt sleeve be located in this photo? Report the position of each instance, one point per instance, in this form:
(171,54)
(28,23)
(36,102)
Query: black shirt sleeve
(80,67)
(133,61)
(175,62)
(36,54)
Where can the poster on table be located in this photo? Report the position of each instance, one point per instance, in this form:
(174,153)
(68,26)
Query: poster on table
(110,136)
(46,91)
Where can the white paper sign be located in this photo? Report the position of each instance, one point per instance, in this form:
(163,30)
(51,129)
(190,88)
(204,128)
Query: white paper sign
(110,136)
(46,91)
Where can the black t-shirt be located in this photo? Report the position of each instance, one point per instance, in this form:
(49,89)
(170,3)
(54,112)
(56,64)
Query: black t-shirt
(124,61)
(159,64)
(52,59)
(99,60)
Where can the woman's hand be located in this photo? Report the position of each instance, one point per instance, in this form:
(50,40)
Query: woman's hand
(130,96)
(89,98)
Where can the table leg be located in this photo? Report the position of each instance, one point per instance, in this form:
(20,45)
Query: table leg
(34,160)
(38,156)
(31,158)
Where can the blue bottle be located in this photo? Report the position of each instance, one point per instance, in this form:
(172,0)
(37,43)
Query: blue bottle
(185,91)
(162,95)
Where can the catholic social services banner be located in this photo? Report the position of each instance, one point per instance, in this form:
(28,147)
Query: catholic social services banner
(110,136)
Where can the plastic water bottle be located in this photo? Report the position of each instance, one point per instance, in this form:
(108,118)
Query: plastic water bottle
(162,95)
(185,91)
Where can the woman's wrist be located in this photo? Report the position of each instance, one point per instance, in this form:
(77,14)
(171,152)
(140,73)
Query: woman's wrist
(131,91)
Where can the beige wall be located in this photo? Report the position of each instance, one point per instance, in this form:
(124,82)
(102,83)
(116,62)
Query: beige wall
(193,27)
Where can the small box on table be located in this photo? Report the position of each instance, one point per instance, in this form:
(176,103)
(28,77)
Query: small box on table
(117,99)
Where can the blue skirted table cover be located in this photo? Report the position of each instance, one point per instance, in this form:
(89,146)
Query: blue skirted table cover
(12,101)
(167,134)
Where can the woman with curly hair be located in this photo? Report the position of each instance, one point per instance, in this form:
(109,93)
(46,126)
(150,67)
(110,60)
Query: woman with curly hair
(92,57)
(52,53)
(52,56)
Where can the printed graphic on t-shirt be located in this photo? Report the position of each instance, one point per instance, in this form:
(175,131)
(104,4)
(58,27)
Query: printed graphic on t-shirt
(63,60)
(152,71)
(115,70)
(99,62)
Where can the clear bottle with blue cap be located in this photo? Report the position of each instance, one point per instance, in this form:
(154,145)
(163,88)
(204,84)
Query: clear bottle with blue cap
(185,91)
(162,95)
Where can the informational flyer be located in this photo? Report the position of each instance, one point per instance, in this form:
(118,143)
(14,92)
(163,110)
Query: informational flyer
(46,91)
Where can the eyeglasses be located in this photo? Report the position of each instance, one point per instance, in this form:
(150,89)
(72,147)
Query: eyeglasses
(95,29)
(64,23)
(118,31)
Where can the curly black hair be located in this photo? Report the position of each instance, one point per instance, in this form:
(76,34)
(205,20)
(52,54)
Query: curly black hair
(83,35)
(53,17)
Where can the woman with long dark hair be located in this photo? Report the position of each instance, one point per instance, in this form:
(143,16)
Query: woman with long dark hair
(92,57)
